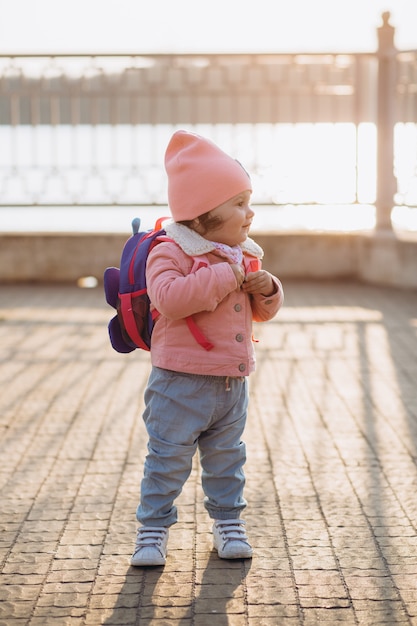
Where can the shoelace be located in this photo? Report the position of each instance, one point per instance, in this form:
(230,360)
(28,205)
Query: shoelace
(150,537)
(232,530)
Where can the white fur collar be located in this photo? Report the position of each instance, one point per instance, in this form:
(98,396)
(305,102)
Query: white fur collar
(194,244)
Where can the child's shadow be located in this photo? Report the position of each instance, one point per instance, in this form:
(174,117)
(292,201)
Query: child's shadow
(134,603)
(151,593)
(220,589)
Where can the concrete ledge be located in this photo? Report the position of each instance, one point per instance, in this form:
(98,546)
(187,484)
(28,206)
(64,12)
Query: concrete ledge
(57,257)
(380,258)
(387,260)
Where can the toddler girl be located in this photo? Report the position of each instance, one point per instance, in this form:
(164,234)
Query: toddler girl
(206,286)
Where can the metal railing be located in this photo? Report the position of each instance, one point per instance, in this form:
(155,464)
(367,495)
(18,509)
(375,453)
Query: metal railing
(92,129)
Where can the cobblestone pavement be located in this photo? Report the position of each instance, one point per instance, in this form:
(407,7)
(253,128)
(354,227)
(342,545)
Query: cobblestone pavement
(331,471)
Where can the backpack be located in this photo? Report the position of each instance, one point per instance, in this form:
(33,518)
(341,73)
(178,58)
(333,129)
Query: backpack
(125,290)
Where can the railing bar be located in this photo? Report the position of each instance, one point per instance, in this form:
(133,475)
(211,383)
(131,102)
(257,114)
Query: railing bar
(79,103)
(104,205)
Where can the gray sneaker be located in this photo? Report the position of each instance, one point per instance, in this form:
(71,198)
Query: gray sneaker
(151,546)
(230,539)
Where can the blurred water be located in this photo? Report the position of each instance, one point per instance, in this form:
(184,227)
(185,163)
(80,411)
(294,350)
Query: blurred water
(308,170)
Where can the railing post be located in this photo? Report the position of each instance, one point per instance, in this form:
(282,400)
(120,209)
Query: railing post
(386,182)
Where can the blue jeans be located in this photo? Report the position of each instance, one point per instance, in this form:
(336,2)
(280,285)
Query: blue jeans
(185,412)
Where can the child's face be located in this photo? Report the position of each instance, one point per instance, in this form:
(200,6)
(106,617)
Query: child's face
(236,215)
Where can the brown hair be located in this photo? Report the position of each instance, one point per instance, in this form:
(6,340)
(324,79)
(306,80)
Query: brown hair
(207,222)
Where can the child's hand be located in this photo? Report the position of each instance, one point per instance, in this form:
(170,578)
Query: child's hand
(259,282)
(239,274)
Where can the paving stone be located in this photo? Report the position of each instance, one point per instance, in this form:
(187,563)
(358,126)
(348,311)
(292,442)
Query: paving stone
(331,471)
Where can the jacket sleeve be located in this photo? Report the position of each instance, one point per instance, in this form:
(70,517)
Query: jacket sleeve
(264,308)
(177,293)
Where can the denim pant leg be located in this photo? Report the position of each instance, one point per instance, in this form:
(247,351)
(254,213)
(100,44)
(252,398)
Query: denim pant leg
(223,454)
(179,409)
(170,452)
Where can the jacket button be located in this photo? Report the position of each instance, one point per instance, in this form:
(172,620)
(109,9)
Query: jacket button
(238,307)
(242,367)
(239,337)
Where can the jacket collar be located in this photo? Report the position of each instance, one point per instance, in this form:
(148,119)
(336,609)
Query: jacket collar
(194,244)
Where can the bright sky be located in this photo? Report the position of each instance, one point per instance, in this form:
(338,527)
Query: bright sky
(30,26)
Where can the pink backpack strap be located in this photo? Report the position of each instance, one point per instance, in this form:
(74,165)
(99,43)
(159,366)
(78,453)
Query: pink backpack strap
(200,338)
(129,321)
(198,263)
(198,335)
(252,265)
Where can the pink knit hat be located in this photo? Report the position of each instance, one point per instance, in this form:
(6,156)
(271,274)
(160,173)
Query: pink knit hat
(200,176)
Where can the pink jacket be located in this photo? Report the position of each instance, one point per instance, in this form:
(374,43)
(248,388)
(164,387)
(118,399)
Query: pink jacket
(189,277)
